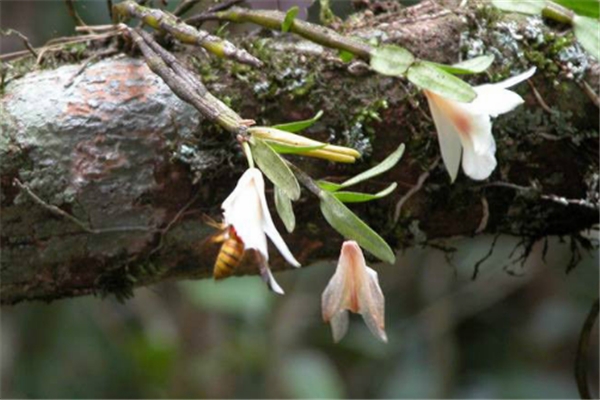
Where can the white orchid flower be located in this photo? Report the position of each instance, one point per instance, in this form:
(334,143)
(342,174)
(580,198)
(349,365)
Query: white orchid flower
(247,211)
(354,287)
(466,127)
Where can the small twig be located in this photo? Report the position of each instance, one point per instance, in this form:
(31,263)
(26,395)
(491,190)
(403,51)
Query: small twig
(305,179)
(198,19)
(539,99)
(589,91)
(109,4)
(23,38)
(422,178)
(73,13)
(184,6)
(63,42)
(582,349)
(97,28)
(550,197)
(63,214)
(88,62)
(167,228)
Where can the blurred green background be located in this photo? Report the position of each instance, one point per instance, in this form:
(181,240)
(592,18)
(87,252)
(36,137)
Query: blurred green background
(512,333)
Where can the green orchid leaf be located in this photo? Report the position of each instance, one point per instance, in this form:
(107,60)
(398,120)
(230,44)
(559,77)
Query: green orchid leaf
(587,8)
(283,204)
(356,197)
(430,77)
(328,186)
(273,166)
(586,31)
(291,149)
(299,125)
(289,18)
(391,60)
(353,228)
(531,7)
(472,66)
(388,163)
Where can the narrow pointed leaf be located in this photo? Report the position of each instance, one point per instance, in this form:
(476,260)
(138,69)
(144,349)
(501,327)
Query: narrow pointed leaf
(356,197)
(283,204)
(587,31)
(427,76)
(329,186)
(273,166)
(388,163)
(289,18)
(532,7)
(353,228)
(587,8)
(391,60)
(298,126)
(291,149)
(473,66)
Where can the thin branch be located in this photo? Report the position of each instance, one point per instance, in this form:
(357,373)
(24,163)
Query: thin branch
(208,105)
(184,6)
(305,179)
(539,99)
(109,4)
(582,349)
(63,214)
(422,178)
(198,19)
(589,91)
(24,38)
(73,13)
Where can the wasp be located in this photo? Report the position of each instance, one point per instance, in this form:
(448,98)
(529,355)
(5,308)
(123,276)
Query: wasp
(231,252)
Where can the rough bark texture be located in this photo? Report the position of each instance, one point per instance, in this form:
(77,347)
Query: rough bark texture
(118,151)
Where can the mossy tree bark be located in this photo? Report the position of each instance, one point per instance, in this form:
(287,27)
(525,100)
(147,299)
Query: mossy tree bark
(137,167)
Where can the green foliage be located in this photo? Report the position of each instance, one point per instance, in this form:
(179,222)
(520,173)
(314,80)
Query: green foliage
(427,76)
(289,18)
(588,8)
(388,163)
(346,56)
(275,168)
(353,228)
(391,60)
(298,126)
(532,7)
(283,204)
(472,66)
(356,197)
(587,31)
(310,375)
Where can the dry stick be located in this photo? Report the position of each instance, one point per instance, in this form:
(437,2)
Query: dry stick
(184,73)
(183,32)
(181,88)
(197,20)
(422,178)
(185,6)
(63,214)
(73,13)
(23,38)
(315,33)
(109,4)
(582,349)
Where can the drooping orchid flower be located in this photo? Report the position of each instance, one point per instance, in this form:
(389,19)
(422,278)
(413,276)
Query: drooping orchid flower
(247,211)
(466,127)
(354,287)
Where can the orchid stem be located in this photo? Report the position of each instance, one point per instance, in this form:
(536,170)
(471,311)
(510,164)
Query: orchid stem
(274,19)
(305,180)
(248,153)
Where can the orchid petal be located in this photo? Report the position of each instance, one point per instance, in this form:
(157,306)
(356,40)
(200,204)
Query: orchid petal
(512,81)
(268,225)
(448,138)
(372,306)
(478,166)
(272,283)
(339,325)
(494,100)
(333,295)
